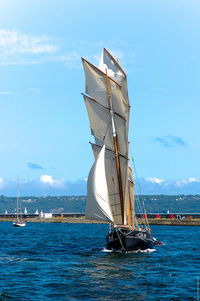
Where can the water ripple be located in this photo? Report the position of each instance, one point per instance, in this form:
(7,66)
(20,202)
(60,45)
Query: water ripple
(70,262)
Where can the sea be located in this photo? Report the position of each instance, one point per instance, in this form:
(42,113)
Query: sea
(56,261)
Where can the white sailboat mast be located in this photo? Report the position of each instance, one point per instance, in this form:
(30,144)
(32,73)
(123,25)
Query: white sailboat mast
(17,196)
(116,151)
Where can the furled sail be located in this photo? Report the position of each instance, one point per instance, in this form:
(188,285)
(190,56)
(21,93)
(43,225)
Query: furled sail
(97,206)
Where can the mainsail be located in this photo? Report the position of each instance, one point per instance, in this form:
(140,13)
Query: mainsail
(108,109)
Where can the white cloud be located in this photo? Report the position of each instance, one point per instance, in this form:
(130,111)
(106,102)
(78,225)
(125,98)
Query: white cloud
(47,184)
(193,180)
(47,179)
(17,47)
(180,183)
(14,41)
(1,183)
(155,180)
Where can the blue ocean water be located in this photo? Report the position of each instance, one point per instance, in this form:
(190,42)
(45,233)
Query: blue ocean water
(67,262)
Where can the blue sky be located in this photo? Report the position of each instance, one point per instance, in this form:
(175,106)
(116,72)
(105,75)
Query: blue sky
(44,125)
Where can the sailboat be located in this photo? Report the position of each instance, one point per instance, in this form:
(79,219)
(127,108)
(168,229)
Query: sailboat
(19,221)
(110,185)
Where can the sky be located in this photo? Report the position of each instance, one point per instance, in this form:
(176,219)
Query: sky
(45,134)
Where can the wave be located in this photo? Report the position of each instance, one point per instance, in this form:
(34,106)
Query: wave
(12,259)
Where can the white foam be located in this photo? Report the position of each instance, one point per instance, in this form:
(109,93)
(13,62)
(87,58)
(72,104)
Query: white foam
(148,251)
(12,259)
(120,251)
(107,251)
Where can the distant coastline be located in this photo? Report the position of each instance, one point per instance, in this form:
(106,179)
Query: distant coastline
(59,204)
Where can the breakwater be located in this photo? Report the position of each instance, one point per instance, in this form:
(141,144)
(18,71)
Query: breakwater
(176,220)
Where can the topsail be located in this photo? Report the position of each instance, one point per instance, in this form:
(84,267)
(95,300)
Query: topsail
(115,71)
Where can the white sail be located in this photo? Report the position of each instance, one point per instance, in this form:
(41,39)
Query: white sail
(112,180)
(101,125)
(97,206)
(96,87)
(108,109)
(115,71)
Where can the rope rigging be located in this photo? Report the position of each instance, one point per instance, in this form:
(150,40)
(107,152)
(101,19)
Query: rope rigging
(140,195)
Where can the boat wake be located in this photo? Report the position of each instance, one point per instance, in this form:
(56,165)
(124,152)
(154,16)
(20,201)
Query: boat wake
(11,259)
(129,252)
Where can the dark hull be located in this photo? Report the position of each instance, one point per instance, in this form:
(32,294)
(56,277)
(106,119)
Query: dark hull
(129,240)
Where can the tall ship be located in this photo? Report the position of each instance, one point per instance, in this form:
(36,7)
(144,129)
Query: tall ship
(110,185)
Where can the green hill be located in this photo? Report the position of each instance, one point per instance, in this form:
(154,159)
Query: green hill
(76,204)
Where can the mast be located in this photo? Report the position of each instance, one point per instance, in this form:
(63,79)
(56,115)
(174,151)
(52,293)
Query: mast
(17,195)
(130,209)
(128,212)
(116,152)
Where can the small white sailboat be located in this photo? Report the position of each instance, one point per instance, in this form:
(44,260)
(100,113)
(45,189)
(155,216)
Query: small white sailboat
(19,221)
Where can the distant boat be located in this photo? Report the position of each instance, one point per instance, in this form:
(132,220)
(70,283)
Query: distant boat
(25,211)
(19,222)
(110,185)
